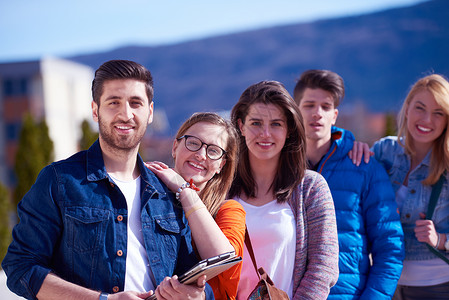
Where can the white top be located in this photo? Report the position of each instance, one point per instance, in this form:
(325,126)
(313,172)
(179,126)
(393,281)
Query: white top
(421,272)
(424,272)
(273,236)
(138,276)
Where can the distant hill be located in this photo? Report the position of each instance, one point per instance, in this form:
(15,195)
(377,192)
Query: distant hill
(379,55)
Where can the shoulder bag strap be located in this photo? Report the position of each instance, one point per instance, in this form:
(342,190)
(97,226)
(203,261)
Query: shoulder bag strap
(250,250)
(436,190)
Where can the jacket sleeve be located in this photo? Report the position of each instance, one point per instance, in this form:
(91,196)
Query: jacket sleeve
(383,149)
(384,233)
(209,292)
(321,271)
(189,258)
(28,258)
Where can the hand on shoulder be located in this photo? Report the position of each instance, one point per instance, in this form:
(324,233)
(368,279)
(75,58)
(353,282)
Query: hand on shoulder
(360,150)
(170,178)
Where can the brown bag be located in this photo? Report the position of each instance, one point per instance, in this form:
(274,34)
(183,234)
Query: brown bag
(265,289)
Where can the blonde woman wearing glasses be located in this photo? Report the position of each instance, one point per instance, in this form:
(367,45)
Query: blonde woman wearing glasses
(204,152)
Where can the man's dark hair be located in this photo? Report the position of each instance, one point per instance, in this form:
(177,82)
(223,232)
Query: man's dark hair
(121,69)
(320,79)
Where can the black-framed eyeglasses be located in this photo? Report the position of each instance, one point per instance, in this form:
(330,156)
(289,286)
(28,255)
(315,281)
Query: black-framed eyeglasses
(194,144)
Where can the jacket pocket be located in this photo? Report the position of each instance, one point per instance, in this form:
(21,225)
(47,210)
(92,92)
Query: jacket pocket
(170,230)
(85,228)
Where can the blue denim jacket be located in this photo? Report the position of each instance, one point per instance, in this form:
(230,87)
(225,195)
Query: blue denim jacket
(73,223)
(392,155)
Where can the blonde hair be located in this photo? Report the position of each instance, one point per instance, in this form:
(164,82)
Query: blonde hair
(216,189)
(438,86)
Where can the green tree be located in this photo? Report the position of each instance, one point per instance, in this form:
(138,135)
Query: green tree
(35,151)
(88,136)
(390,124)
(46,149)
(5,230)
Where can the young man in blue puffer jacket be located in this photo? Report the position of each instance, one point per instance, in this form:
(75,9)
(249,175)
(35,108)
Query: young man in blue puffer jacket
(369,231)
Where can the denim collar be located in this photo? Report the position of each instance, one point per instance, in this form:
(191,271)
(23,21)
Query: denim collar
(95,164)
(425,161)
(96,169)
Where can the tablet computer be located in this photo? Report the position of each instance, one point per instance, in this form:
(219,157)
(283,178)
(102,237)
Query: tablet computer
(210,267)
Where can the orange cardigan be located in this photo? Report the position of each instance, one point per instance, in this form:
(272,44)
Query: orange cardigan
(231,220)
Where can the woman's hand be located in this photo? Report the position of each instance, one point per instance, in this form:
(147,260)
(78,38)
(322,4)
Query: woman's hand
(171,288)
(360,150)
(425,231)
(129,295)
(171,179)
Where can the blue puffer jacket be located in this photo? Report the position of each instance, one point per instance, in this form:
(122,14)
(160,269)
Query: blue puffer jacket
(367,223)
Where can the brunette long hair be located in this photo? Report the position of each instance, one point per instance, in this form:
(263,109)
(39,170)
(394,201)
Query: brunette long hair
(216,189)
(292,162)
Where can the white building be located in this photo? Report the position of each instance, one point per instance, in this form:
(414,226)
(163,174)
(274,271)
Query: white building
(51,88)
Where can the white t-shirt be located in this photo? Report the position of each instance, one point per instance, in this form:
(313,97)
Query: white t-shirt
(138,276)
(273,236)
(421,272)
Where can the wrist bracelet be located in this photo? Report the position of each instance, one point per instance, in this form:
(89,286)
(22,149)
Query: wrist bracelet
(103,296)
(186,185)
(438,241)
(446,244)
(183,186)
(193,209)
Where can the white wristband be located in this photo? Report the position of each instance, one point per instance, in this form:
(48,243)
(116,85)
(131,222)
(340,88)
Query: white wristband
(438,241)
(446,244)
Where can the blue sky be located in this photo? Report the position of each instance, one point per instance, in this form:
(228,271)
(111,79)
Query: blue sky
(32,29)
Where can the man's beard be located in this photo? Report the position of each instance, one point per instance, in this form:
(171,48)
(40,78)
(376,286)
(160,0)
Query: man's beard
(120,143)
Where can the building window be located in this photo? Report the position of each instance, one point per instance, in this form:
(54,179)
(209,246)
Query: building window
(12,131)
(8,87)
(12,177)
(15,86)
(23,86)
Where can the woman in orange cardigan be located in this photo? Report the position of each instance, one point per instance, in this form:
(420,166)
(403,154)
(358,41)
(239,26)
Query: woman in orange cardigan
(204,152)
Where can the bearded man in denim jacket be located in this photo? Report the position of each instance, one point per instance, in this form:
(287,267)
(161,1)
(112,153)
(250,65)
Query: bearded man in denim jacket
(100,222)
(367,220)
